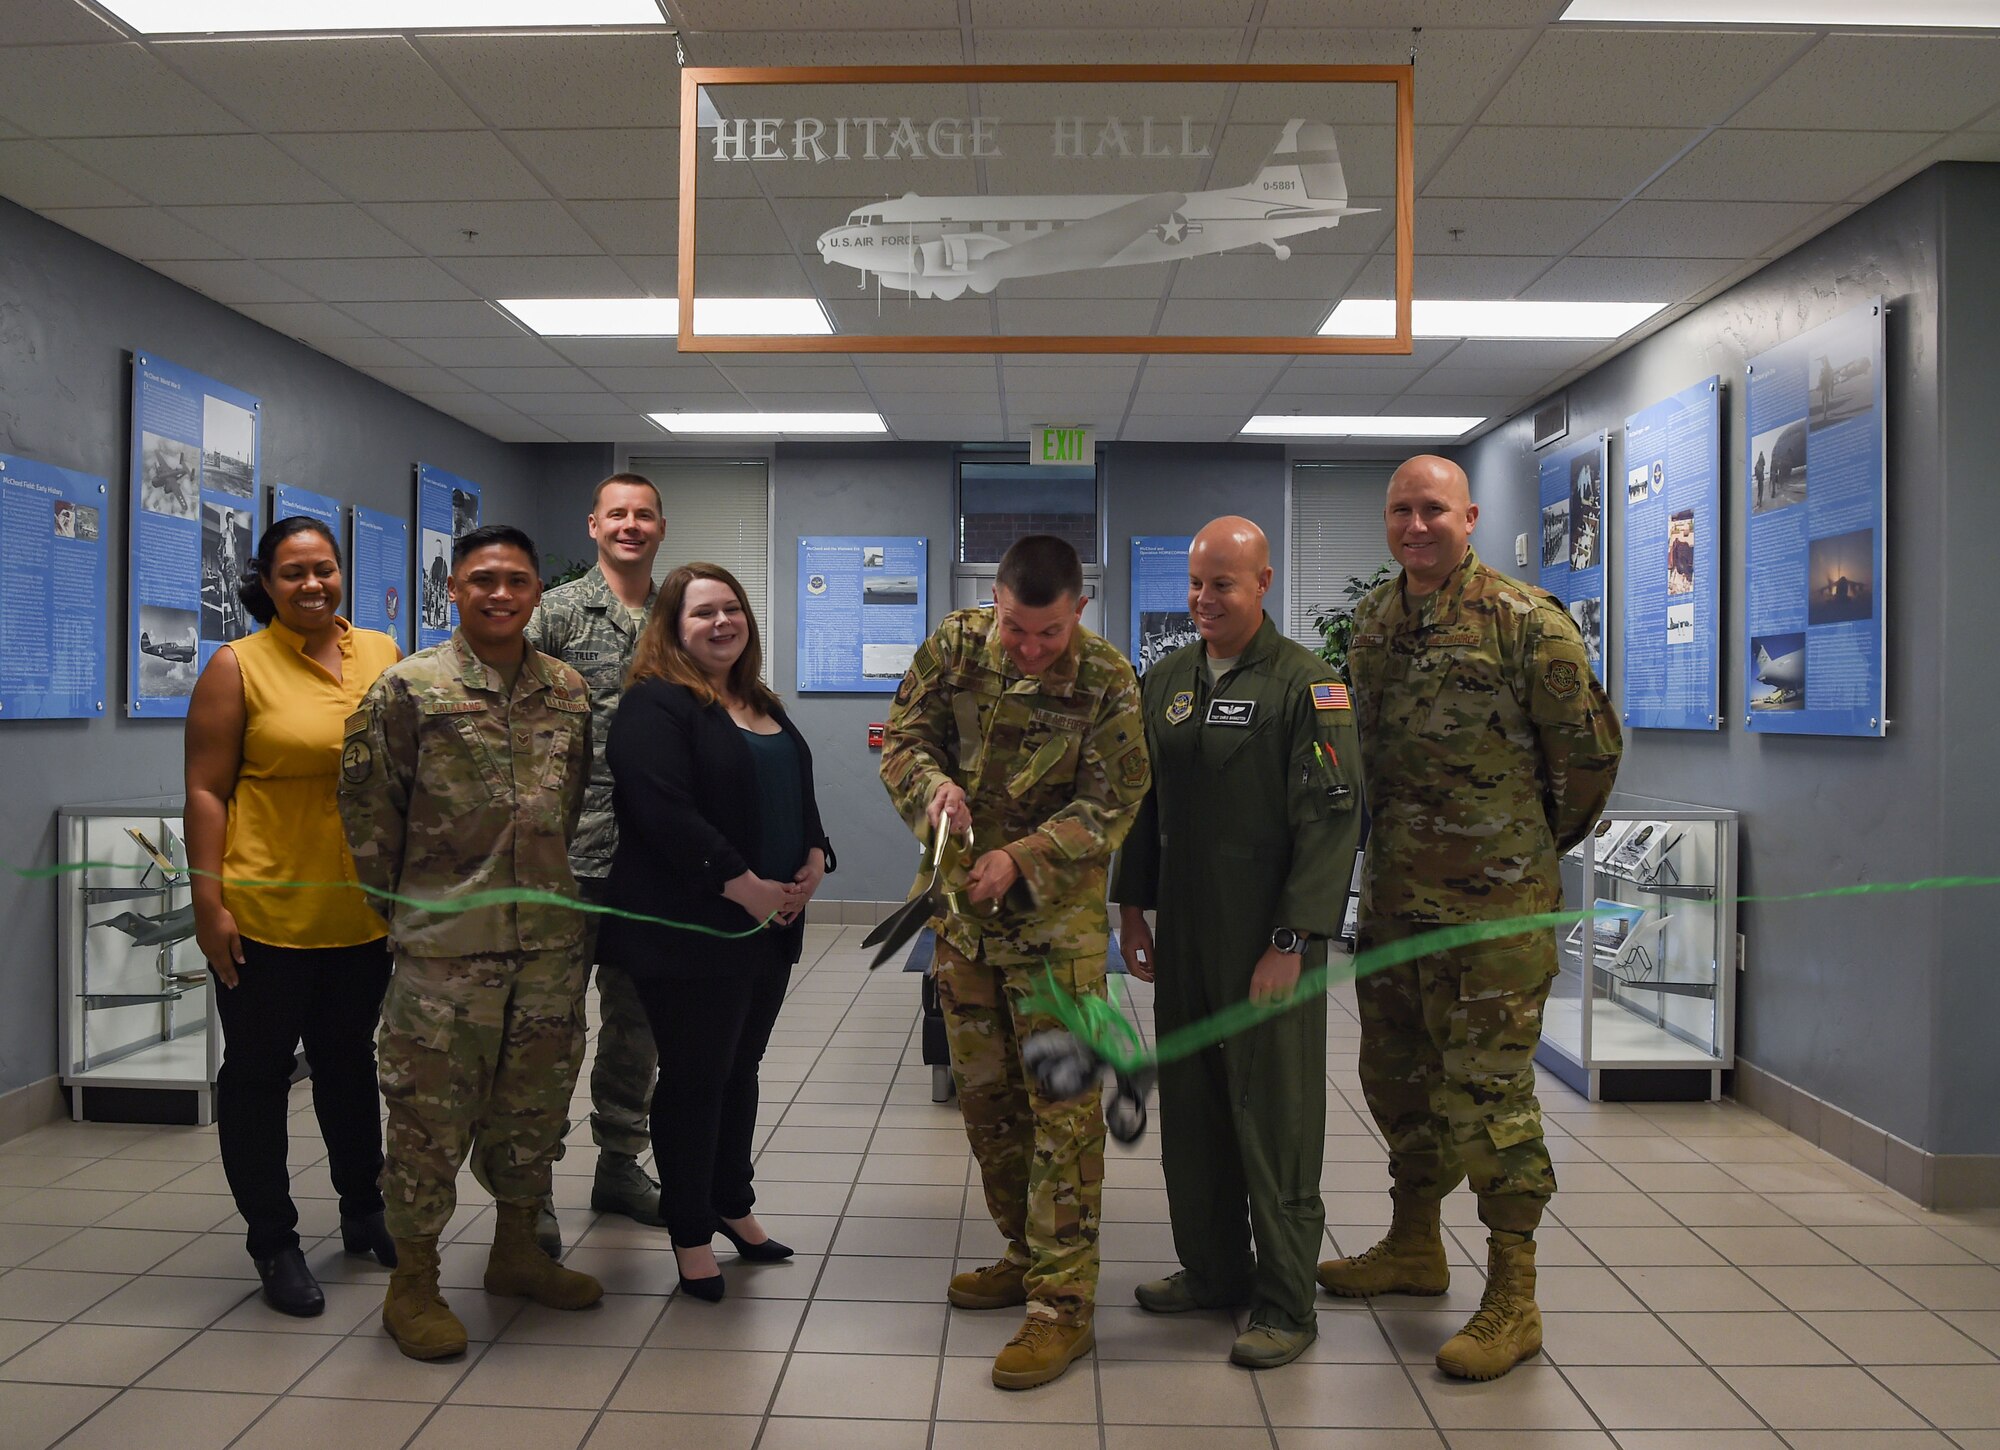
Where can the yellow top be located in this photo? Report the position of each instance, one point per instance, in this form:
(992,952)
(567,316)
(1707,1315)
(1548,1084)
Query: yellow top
(284,818)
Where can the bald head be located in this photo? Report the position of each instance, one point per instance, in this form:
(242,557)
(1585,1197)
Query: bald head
(1229,570)
(1430,516)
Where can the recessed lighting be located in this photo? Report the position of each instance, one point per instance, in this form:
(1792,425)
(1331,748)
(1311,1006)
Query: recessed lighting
(212,17)
(747,424)
(1516,321)
(1819,14)
(661,316)
(1287,425)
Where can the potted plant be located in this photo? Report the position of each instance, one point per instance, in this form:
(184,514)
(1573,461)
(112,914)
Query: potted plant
(1336,626)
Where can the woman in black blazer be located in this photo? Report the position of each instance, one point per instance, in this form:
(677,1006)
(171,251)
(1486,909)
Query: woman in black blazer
(717,826)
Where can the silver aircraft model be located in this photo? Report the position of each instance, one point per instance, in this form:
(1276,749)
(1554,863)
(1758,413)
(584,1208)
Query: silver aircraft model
(944,247)
(1786,675)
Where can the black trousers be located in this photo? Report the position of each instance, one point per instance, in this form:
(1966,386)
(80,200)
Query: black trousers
(329,998)
(711,1032)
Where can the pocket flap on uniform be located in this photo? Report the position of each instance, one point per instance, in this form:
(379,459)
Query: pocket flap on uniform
(425,1021)
(1041,763)
(1507,968)
(569,704)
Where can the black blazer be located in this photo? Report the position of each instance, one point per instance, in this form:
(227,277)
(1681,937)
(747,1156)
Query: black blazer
(684,790)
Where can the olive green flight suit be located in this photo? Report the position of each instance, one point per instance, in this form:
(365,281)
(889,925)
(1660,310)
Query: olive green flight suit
(1251,825)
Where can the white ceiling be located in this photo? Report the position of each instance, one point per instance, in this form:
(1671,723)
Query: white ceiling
(326,187)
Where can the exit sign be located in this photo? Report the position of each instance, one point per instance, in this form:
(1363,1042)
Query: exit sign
(1053,444)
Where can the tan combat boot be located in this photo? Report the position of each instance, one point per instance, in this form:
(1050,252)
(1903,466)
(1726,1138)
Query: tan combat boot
(518,1269)
(414,1313)
(999,1286)
(1408,1260)
(1040,1351)
(1508,1327)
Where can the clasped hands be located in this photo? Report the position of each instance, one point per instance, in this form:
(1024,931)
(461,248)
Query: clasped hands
(994,873)
(778,903)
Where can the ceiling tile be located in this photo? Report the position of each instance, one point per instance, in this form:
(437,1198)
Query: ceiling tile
(530,380)
(502,228)
(467,320)
(102,90)
(904,380)
(1970,146)
(948,427)
(1568,161)
(304,319)
(1154,45)
(336,230)
(1182,427)
(1883,83)
(524,432)
(1056,14)
(142,232)
(627,381)
(201,170)
(377,356)
(1423,353)
(728,224)
(687,400)
(1504,228)
(603,78)
(705,15)
(1454,277)
(627,352)
(1666,77)
(414,380)
(645,228)
(36,175)
(231,282)
(54,22)
(1455,68)
(374,279)
(791,375)
(417,166)
(831,47)
(1825,166)
(1051,318)
(626,426)
(1431,14)
(1322,278)
(542,276)
(576,405)
(1517,382)
(478,352)
(748,276)
(619,165)
(324,83)
(1625,279)
(1489,353)
(1695,229)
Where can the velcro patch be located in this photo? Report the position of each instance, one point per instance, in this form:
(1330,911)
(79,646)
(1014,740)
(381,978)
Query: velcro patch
(1454,638)
(1562,679)
(1330,695)
(356,761)
(1132,768)
(357,723)
(1181,707)
(1366,638)
(1231,712)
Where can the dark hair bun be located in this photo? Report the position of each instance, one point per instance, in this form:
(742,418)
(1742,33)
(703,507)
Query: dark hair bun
(256,598)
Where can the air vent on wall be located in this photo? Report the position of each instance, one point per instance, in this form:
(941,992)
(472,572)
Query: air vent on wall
(1552,421)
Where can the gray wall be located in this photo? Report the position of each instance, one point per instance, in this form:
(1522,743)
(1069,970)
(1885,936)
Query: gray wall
(1877,1006)
(70,312)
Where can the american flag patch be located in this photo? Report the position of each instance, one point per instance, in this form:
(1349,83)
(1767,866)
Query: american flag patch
(1329,696)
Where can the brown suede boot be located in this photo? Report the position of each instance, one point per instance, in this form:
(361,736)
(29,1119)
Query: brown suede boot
(519,1269)
(1408,1260)
(999,1286)
(414,1313)
(1040,1351)
(1508,1327)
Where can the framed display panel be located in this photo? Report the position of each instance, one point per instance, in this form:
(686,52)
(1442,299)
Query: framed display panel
(1047,209)
(447,506)
(1670,495)
(52,591)
(1575,542)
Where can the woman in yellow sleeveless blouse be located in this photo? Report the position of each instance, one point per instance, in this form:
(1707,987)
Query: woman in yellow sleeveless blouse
(264,731)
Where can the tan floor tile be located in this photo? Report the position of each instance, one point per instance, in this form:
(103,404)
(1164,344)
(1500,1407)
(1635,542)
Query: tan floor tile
(1659,1398)
(1980,1239)
(1829,1288)
(210,1256)
(1800,1178)
(1580,1289)
(1753,1338)
(112,1250)
(1952,1397)
(804,1141)
(858,1386)
(1529,1440)
(1529,1397)
(1756,1246)
(1619,1247)
(1608,1210)
(905,1201)
(615,1320)
(31,1170)
(1699,1440)
(480,1427)
(779,1201)
(1360,1396)
(917,1280)
(793,1279)
(618,1430)
(1347,1337)
(920,1168)
(21,1242)
(882,1327)
(898,1237)
(297,1423)
(1182,1394)
(1127,1332)
(37,1416)
(94,1354)
(1877,1245)
(73,1207)
(966,1392)
(545,1376)
(1966,1286)
(1698,1290)
(186,1145)
(225,1360)
(1891,1338)
(370,1367)
(17,1334)
(621,1271)
(52,1294)
(1820,1398)
(180,1212)
(1416,1335)
(979,1333)
(1982,1325)
(126,1175)
(724,1382)
(967,1435)
(167,1420)
(1572,1339)
(1303,1439)
(739,1322)
(1976,1439)
(805,1434)
(1740,1209)
(1848,1209)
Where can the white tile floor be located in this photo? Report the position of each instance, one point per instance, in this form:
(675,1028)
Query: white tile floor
(1707,1280)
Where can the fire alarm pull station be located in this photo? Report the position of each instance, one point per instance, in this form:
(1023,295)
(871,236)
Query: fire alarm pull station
(875,734)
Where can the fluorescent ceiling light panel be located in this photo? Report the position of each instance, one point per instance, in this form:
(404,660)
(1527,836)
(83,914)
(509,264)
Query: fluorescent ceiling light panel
(1287,425)
(756,424)
(1514,321)
(660,316)
(183,17)
(1820,14)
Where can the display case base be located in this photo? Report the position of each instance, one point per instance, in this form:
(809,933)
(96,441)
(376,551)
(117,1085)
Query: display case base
(1633,1084)
(169,1107)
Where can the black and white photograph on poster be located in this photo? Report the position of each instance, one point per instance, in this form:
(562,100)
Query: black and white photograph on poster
(1841,388)
(65,519)
(225,547)
(228,446)
(1680,552)
(464,513)
(1840,578)
(86,523)
(168,650)
(433,574)
(1680,624)
(1589,617)
(1635,486)
(871,556)
(1778,468)
(890,589)
(170,483)
(886,661)
(1555,533)
(1586,511)
(1161,632)
(1778,667)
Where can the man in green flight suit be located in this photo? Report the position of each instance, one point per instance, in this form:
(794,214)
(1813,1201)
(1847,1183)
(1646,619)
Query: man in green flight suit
(1488,749)
(1245,848)
(1020,726)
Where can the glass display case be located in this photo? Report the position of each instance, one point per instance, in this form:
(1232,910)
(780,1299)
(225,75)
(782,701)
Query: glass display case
(1644,1006)
(138,1025)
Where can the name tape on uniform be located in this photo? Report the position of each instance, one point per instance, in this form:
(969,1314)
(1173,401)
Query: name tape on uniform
(1231,712)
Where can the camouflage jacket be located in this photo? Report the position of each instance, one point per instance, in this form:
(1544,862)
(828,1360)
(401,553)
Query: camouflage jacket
(1488,746)
(449,787)
(583,624)
(1054,768)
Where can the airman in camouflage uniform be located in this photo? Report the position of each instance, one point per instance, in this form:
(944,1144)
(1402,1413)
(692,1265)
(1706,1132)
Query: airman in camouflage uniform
(456,782)
(1488,749)
(1053,767)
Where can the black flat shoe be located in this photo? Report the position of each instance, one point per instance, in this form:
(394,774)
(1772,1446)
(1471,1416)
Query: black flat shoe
(369,1235)
(708,1290)
(768,1252)
(289,1286)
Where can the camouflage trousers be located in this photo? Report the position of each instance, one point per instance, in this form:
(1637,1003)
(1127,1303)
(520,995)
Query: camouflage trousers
(479,1056)
(1042,1162)
(622,1072)
(1447,1064)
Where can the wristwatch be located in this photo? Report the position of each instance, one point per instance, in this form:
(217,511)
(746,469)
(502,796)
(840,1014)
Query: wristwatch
(1290,942)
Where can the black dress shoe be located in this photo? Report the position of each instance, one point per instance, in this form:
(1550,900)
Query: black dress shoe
(289,1286)
(768,1252)
(369,1235)
(708,1290)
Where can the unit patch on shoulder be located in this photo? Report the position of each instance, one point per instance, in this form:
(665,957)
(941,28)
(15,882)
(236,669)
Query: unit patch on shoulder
(1180,707)
(355,761)
(1132,768)
(1330,695)
(1562,679)
(1365,638)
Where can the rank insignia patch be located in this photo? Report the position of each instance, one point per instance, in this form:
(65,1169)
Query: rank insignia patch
(1330,695)
(1562,679)
(1181,707)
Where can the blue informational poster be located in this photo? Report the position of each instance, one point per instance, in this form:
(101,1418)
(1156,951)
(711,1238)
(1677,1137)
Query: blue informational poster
(447,506)
(1573,539)
(1817,490)
(1160,620)
(1671,635)
(378,574)
(288,502)
(863,610)
(52,591)
(195,448)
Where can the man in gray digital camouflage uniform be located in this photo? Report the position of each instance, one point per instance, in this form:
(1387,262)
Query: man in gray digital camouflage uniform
(592,625)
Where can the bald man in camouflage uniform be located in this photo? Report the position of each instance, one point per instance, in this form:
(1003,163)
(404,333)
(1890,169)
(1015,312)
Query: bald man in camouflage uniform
(1026,725)
(1488,748)
(464,773)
